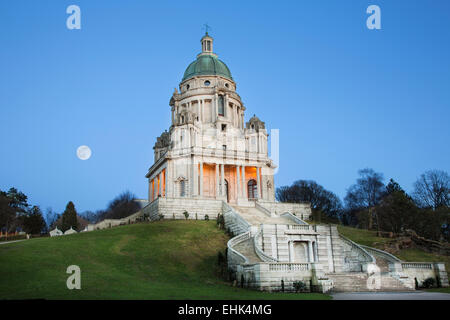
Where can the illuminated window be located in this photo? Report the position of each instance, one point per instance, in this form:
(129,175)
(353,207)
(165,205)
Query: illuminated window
(252,189)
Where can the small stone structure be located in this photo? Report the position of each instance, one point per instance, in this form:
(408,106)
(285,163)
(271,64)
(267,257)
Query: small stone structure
(56,232)
(70,231)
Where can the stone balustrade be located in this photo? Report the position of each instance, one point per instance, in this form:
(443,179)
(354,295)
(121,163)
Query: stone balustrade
(286,267)
(368,257)
(233,257)
(417,265)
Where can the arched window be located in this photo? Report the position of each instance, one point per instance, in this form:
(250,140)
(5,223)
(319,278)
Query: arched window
(252,189)
(221,106)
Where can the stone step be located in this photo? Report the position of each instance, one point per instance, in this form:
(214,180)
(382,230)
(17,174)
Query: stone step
(247,249)
(256,217)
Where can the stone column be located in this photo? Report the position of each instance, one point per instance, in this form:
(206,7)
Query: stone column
(217,181)
(258,183)
(244,186)
(225,102)
(222,180)
(168,180)
(311,253)
(201,179)
(238,183)
(160,184)
(194,178)
(202,105)
(173,117)
(149,190)
(216,107)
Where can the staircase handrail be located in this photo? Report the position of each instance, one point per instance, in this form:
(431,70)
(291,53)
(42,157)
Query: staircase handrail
(293,217)
(357,246)
(259,252)
(234,241)
(236,215)
(263,209)
(387,255)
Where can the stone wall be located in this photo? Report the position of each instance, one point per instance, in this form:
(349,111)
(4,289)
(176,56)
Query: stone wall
(109,223)
(424,270)
(301,210)
(174,208)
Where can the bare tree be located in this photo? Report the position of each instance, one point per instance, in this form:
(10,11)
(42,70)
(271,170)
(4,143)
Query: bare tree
(432,190)
(366,193)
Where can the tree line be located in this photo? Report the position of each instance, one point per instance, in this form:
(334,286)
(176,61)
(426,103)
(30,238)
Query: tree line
(370,204)
(16,214)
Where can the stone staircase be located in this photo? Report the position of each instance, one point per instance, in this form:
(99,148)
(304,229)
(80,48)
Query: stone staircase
(247,249)
(255,217)
(343,261)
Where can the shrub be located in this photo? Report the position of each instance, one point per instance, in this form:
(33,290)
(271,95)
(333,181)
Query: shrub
(299,286)
(206,217)
(161,216)
(186,214)
(221,221)
(428,283)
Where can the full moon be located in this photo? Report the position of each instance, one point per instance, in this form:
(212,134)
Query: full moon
(84,152)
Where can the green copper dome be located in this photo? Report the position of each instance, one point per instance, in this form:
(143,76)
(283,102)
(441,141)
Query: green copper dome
(207,65)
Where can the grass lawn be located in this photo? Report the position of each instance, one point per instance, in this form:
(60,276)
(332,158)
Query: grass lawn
(443,290)
(370,239)
(159,260)
(364,237)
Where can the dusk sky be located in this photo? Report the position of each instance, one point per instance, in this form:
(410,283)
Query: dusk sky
(343,97)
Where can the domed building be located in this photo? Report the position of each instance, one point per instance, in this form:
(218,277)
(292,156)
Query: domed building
(209,151)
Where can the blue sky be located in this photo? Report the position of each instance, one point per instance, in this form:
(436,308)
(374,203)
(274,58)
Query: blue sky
(343,97)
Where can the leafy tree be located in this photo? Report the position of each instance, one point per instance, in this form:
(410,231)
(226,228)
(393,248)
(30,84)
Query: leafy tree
(432,224)
(323,202)
(69,217)
(366,194)
(392,187)
(7,213)
(33,222)
(432,190)
(18,200)
(396,211)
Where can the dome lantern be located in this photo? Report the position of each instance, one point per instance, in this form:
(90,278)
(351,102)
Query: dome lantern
(207,44)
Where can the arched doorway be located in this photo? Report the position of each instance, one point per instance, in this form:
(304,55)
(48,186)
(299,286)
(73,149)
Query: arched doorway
(226,188)
(252,189)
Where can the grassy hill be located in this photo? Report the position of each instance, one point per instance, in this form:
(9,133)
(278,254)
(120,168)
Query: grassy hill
(159,260)
(369,238)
